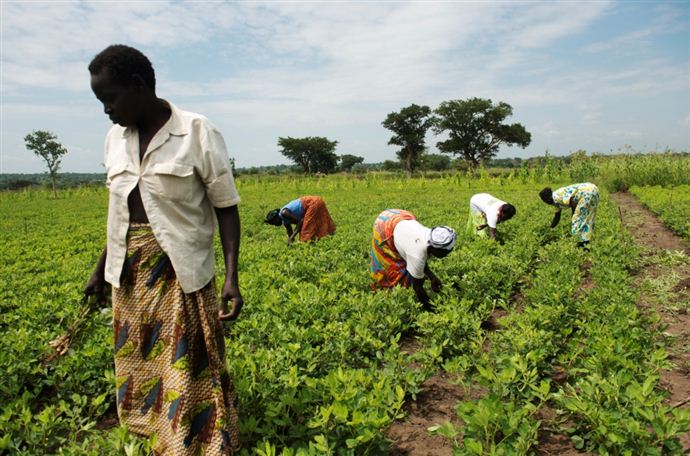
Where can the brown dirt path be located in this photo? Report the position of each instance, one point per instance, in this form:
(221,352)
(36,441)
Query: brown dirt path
(665,288)
(435,404)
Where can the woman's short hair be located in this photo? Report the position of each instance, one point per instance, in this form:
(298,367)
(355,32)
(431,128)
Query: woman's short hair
(122,62)
(507,211)
(271,216)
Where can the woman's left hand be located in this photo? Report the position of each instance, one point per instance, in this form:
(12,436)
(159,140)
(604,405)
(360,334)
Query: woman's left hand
(230,293)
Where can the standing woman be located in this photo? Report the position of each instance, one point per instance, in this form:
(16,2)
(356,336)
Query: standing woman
(310,216)
(168,176)
(400,248)
(583,200)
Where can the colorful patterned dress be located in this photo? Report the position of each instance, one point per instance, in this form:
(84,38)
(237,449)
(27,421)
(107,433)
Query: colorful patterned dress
(170,369)
(586,196)
(388,269)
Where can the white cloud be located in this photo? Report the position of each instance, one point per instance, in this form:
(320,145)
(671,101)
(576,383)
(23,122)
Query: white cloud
(591,117)
(383,51)
(68,75)
(34,110)
(49,44)
(626,134)
(619,43)
(547,129)
(669,19)
(383,55)
(540,26)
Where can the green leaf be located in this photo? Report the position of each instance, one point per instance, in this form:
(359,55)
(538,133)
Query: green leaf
(340,411)
(578,441)
(473,446)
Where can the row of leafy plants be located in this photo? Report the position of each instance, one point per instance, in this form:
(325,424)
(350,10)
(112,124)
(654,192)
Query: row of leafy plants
(579,358)
(671,204)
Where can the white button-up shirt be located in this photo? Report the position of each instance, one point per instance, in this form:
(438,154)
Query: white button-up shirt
(183,175)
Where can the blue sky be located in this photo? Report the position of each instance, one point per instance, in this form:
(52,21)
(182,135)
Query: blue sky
(594,75)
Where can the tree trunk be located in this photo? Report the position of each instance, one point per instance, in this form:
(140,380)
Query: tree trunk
(52,179)
(408,166)
(474,164)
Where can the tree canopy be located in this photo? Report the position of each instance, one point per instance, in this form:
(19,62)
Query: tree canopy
(475,128)
(347,161)
(314,154)
(435,162)
(45,145)
(410,125)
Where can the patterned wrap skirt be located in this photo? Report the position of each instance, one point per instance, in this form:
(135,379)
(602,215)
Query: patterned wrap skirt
(317,222)
(388,268)
(170,370)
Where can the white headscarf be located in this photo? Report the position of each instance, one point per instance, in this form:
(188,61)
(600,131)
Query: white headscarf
(442,237)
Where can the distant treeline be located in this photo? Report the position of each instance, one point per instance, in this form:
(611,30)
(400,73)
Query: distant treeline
(64,180)
(430,162)
(617,170)
(433,162)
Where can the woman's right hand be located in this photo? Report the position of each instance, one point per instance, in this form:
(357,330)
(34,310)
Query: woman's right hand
(418,287)
(96,284)
(556,219)
(436,284)
(95,287)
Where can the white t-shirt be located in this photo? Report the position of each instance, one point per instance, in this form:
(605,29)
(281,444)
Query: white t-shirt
(487,205)
(411,239)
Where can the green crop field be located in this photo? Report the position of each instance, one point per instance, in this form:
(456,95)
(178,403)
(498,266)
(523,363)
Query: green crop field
(671,204)
(315,355)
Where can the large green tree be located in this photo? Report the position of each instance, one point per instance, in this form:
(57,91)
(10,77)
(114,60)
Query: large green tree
(410,125)
(45,145)
(315,154)
(476,129)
